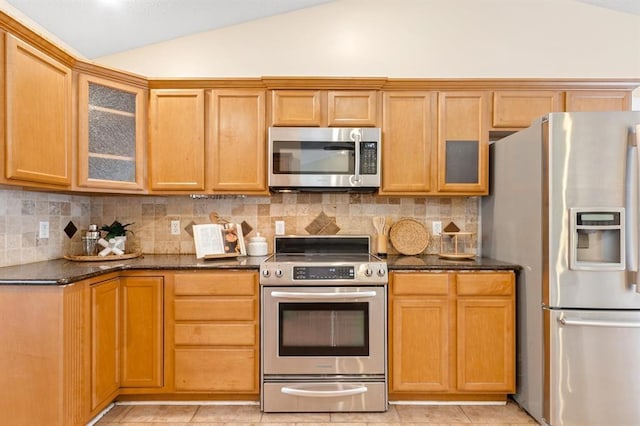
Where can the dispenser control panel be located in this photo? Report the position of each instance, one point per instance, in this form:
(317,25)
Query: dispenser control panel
(596,240)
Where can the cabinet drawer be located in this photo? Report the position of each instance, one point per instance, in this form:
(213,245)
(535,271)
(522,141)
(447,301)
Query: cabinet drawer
(437,284)
(485,284)
(223,283)
(214,309)
(216,370)
(215,334)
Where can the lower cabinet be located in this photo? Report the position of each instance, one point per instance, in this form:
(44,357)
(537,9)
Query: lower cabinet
(127,327)
(105,342)
(142,325)
(215,332)
(452,335)
(44,354)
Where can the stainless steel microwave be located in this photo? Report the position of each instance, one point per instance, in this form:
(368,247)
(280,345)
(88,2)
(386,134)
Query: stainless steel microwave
(324,158)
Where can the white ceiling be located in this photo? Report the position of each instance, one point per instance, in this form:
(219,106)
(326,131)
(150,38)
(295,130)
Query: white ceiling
(96,28)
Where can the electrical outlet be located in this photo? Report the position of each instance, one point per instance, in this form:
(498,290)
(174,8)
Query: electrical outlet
(279,227)
(436,227)
(43,231)
(175,227)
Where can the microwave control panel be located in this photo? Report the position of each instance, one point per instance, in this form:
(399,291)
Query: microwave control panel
(368,158)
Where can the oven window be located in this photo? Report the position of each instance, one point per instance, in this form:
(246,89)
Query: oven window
(313,157)
(323,329)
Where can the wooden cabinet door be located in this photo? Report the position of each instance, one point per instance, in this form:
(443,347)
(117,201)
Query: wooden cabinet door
(597,100)
(420,326)
(486,332)
(111,134)
(518,108)
(38,117)
(485,345)
(142,332)
(237,138)
(420,345)
(352,108)
(105,342)
(463,143)
(177,153)
(408,142)
(296,108)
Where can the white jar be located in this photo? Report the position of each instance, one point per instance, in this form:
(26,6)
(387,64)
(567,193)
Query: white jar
(257,246)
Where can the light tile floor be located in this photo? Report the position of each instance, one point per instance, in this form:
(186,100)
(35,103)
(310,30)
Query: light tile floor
(240,415)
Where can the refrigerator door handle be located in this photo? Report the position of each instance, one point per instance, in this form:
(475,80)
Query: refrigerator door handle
(631,206)
(599,323)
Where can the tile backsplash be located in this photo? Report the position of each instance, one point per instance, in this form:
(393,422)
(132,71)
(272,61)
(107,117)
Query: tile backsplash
(21,211)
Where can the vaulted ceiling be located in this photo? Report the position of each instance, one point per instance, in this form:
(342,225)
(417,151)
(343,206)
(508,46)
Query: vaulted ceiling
(96,28)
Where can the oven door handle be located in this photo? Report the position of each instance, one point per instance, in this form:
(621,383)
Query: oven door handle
(323,394)
(324,296)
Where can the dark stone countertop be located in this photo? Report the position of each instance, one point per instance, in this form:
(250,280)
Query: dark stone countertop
(432,262)
(62,271)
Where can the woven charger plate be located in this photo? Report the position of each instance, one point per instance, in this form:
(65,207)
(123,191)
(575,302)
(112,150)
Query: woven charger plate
(409,236)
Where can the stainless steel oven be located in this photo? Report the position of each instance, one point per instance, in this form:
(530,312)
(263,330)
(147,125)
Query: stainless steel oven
(323,329)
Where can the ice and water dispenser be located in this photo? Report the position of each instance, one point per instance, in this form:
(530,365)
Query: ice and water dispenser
(597,239)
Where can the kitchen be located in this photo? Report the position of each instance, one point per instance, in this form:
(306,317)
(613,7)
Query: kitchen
(152,214)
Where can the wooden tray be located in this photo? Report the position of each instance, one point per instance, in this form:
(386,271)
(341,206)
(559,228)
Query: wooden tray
(409,236)
(456,255)
(220,256)
(106,258)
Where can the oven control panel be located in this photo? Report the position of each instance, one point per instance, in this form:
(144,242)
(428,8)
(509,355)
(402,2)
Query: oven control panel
(324,272)
(350,274)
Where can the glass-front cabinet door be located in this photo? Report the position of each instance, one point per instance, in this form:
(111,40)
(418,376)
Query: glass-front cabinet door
(110,134)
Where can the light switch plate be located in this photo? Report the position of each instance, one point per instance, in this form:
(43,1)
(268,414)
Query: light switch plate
(436,227)
(279,227)
(43,231)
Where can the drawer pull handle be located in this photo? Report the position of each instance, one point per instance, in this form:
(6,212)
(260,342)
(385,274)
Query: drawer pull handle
(324,394)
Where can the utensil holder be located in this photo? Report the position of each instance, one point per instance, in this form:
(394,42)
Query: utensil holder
(381,244)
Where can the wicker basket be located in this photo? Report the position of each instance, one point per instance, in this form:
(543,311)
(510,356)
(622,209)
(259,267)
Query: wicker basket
(409,236)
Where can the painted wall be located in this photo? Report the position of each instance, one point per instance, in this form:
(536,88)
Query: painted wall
(408,38)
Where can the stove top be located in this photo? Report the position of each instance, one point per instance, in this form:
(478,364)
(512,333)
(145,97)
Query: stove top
(323,260)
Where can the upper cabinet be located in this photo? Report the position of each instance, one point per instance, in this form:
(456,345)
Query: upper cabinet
(177,155)
(435,143)
(237,155)
(598,100)
(463,143)
(111,134)
(322,108)
(409,133)
(518,108)
(38,147)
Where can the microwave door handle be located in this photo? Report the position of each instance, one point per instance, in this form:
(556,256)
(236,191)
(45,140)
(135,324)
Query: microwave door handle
(631,206)
(305,295)
(356,136)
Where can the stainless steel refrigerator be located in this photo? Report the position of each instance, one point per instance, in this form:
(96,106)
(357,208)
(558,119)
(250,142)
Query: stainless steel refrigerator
(563,204)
